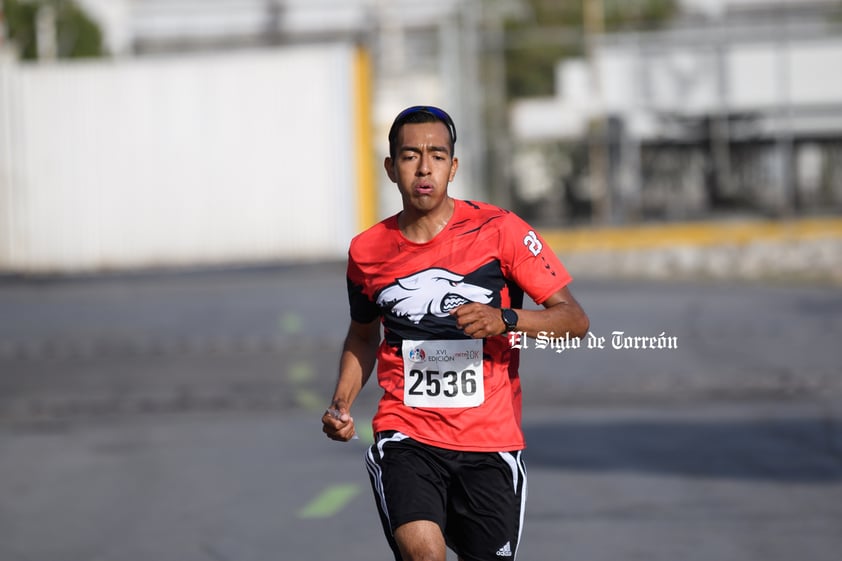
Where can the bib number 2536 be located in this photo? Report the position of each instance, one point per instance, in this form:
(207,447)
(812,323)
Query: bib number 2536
(443,374)
(448,383)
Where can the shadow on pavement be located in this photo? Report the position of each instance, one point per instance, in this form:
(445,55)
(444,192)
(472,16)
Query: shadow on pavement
(805,450)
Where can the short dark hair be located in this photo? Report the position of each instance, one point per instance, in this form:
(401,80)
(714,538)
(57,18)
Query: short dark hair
(421,114)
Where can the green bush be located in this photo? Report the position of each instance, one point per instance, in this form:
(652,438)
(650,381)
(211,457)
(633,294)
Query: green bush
(530,68)
(77,35)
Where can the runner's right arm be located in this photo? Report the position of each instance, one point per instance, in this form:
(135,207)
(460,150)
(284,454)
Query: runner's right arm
(359,354)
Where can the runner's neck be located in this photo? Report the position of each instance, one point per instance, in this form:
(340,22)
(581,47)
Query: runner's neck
(424,227)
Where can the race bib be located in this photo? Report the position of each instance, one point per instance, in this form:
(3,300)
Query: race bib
(443,373)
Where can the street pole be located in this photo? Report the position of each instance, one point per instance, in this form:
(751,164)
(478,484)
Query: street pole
(594,27)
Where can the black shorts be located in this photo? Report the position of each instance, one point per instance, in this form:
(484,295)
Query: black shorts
(476,498)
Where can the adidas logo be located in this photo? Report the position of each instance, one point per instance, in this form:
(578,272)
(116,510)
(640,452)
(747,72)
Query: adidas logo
(505,551)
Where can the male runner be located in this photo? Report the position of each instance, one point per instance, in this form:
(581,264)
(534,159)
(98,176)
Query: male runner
(446,279)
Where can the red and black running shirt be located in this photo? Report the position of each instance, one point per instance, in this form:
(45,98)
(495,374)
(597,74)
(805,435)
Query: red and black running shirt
(484,254)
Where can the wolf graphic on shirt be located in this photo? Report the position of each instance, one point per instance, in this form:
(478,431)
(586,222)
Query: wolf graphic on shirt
(431,292)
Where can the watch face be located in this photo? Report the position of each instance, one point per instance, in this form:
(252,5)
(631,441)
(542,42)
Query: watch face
(509,318)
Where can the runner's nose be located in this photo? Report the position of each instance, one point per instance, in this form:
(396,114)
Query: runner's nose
(424,165)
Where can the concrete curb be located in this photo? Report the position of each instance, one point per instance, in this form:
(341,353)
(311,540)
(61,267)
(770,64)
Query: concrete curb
(792,250)
(698,234)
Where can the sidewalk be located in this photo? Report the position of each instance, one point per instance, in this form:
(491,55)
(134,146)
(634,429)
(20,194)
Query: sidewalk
(804,249)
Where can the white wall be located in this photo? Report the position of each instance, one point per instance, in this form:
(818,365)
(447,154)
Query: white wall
(177,161)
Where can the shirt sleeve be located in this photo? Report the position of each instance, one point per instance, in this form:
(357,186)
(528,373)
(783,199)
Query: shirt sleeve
(529,261)
(363,308)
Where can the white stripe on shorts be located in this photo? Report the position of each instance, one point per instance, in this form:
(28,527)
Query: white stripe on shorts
(515,462)
(376,472)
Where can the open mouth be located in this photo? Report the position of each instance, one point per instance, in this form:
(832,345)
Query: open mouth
(452,301)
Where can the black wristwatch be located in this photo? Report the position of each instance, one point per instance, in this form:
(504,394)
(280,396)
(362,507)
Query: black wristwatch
(509,318)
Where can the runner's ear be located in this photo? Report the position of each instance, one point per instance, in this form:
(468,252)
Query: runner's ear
(388,164)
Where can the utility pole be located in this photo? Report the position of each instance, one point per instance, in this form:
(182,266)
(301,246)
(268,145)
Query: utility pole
(2,26)
(45,31)
(594,26)
(791,201)
(499,147)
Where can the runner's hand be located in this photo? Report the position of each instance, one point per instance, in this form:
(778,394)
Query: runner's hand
(479,320)
(337,424)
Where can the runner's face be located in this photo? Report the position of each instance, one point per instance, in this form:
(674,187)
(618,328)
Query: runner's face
(423,166)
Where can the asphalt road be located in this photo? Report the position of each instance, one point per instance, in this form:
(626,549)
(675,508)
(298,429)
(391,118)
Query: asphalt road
(176,417)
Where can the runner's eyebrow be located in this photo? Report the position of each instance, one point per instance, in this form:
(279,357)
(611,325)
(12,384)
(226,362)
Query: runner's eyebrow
(417,149)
